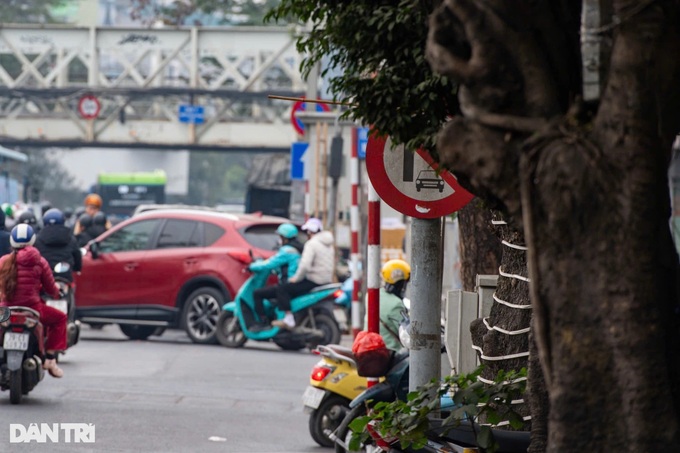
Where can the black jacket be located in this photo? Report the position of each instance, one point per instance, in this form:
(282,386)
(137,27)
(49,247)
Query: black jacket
(57,244)
(5,247)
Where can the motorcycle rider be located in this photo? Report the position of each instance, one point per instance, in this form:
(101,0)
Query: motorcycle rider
(284,262)
(395,275)
(5,247)
(83,237)
(29,218)
(69,219)
(91,227)
(23,274)
(8,210)
(316,268)
(93,205)
(57,244)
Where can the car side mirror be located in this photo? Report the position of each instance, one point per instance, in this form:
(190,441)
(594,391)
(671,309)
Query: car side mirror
(94,249)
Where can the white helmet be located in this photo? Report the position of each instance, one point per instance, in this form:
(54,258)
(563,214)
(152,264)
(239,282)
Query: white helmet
(21,236)
(312,225)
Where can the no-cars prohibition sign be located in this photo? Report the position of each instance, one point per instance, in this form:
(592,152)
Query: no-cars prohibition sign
(301,106)
(410,181)
(89,107)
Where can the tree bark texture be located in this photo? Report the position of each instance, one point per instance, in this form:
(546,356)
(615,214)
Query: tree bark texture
(480,249)
(588,184)
(504,335)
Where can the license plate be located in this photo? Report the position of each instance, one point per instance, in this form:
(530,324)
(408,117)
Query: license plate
(60,305)
(15,341)
(312,397)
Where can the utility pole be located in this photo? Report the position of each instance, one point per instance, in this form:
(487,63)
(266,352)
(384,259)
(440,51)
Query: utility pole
(425,313)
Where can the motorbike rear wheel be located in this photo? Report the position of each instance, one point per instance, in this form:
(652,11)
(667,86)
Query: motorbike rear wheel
(326,418)
(15,387)
(344,433)
(228,331)
(331,331)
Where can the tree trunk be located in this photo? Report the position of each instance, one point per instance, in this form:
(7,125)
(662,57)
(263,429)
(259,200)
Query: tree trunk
(504,336)
(589,186)
(480,249)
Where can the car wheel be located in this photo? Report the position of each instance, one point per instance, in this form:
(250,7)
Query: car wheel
(201,311)
(137,332)
(229,331)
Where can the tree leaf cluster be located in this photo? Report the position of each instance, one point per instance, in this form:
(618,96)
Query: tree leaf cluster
(374,55)
(30,11)
(409,421)
(197,12)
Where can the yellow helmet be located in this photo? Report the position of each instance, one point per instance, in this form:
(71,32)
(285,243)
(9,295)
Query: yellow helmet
(394,271)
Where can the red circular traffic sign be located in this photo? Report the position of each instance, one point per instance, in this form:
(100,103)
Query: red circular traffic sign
(89,107)
(411,182)
(301,106)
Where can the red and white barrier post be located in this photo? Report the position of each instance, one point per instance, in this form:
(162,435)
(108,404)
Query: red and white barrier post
(357,322)
(373,265)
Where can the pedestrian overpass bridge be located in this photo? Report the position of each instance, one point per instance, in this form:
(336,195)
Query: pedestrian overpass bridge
(160,88)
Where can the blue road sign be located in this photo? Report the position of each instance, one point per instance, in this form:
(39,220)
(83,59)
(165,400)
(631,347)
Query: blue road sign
(193,114)
(297,163)
(362,141)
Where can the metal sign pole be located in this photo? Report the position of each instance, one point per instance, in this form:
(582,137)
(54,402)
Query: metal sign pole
(425,312)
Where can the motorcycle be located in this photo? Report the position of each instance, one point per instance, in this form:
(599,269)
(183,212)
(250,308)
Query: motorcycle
(333,384)
(315,322)
(395,385)
(66,303)
(23,350)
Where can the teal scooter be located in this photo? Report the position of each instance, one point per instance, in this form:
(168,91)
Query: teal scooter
(315,322)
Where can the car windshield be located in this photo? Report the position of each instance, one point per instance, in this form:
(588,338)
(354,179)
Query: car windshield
(427,174)
(262,236)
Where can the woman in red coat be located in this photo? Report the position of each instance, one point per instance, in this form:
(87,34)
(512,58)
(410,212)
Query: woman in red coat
(23,274)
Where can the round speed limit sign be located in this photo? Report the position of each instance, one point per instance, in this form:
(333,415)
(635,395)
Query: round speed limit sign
(89,107)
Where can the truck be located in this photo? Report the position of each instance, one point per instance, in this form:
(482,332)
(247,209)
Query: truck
(122,192)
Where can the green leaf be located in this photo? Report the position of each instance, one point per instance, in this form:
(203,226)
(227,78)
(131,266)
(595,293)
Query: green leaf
(485,437)
(359,424)
(516,420)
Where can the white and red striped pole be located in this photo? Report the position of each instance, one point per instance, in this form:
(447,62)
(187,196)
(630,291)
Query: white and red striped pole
(373,260)
(373,264)
(357,322)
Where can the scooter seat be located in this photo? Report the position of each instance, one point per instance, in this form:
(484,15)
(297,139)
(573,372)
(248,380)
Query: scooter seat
(325,287)
(341,350)
(337,352)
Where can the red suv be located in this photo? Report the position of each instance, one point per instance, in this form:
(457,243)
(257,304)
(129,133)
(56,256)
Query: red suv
(170,268)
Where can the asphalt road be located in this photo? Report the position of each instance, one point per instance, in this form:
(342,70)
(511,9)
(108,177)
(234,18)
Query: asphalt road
(169,395)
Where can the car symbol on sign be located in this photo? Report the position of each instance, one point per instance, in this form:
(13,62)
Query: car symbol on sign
(428,179)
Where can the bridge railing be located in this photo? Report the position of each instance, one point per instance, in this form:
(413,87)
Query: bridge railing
(140,78)
(239,58)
